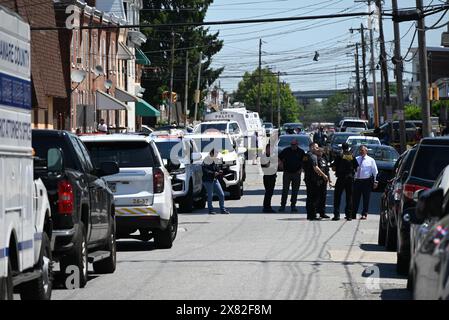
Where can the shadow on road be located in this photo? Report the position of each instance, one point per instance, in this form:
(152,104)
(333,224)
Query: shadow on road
(395,294)
(372,247)
(134,245)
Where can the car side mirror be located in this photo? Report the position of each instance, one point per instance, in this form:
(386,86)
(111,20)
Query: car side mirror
(55,161)
(430,204)
(108,168)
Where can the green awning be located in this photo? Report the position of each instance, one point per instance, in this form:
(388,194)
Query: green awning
(141,58)
(144,109)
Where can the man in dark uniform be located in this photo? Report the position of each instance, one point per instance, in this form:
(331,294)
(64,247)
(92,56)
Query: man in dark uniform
(314,177)
(344,166)
(290,160)
(322,183)
(320,137)
(269,168)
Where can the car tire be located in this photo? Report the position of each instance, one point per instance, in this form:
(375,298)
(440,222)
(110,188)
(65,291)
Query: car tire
(381,234)
(201,202)
(109,264)
(236,191)
(78,258)
(6,287)
(40,288)
(391,238)
(403,264)
(163,239)
(186,204)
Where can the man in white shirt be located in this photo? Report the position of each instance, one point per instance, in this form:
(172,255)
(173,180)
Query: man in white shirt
(364,181)
(102,126)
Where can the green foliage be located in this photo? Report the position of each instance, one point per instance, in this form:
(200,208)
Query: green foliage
(159,44)
(412,112)
(328,110)
(247,93)
(437,105)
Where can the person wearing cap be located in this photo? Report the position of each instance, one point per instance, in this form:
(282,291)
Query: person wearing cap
(290,161)
(344,167)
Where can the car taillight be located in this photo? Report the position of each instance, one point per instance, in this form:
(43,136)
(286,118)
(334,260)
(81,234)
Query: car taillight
(410,189)
(158,181)
(65,197)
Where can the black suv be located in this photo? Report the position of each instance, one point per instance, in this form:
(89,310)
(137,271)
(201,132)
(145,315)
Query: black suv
(432,156)
(82,206)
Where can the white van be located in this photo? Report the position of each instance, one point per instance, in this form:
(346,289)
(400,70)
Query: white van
(25,253)
(250,123)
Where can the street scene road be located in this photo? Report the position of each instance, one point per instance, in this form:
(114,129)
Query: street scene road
(256,256)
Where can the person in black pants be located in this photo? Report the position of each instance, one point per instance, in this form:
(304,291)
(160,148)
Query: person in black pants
(269,168)
(322,184)
(344,166)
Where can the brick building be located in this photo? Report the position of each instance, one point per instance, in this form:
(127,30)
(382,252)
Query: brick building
(46,65)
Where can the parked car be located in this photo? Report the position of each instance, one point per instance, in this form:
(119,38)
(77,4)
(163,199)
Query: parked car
(231,158)
(355,141)
(142,188)
(390,201)
(334,146)
(269,128)
(429,267)
(303,142)
(182,159)
(289,128)
(224,127)
(353,125)
(432,156)
(83,209)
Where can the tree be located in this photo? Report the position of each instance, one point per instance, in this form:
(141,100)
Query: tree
(328,110)
(194,39)
(412,112)
(247,93)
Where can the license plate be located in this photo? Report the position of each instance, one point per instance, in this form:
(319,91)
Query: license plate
(140,202)
(112,186)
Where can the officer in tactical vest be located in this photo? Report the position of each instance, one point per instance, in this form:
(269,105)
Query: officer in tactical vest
(344,166)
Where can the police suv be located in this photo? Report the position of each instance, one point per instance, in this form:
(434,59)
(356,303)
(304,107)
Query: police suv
(231,158)
(25,216)
(182,159)
(142,189)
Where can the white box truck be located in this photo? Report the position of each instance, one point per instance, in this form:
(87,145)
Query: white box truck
(25,253)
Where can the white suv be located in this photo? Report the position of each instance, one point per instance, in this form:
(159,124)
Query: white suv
(224,127)
(183,161)
(231,157)
(142,189)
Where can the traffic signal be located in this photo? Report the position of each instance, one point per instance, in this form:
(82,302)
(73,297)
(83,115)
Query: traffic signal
(430,93)
(166,96)
(436,93)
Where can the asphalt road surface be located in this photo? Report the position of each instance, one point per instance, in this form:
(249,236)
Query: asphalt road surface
(251,255)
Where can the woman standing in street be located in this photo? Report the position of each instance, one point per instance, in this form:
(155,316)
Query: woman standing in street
(211,174)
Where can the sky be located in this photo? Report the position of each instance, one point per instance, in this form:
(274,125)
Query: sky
(289,47)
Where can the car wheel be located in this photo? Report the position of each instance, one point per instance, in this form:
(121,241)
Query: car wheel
(236,192)
(163,239)
(381,234)
(391,238)
(40,288)
(108,265)
(186,204)
(6,287)
(78,259)
(201,203)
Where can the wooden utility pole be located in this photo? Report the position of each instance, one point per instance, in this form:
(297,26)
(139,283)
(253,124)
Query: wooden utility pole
(171,76)
(386,102)
(399,83)
(357,80)
(260,76)
(423,72)
(197,93)
(365,82)
(186,90)
(373,70)
(279,101)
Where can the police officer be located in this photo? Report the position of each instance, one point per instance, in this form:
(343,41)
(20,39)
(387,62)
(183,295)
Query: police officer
(322,183)
(344,166)
(314,177)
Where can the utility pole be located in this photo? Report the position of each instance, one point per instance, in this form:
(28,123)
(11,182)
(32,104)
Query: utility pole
(279,101)
(171,76)
(386,103)
(373,70)
(423,73)
(260,76)
(399,83)
(197,93)
(186,93)
(357,80)
(365,82)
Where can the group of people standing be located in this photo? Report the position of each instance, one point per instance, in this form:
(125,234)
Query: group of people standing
(355,175)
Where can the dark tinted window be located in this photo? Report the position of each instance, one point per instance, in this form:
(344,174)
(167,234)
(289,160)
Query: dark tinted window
(219,144)
(339,139)
(303,141)
(214,127)
(129,154)
(430,161)
(170,149)
(354,124)
(41,144)
(383,154)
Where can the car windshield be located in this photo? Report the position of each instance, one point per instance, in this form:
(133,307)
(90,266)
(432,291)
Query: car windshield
(220,144)
(339,139)
(430,161)
(216,127)
(383,154)
(128,154)
(170,149)
(358,141)
(268,125)
(354,124)
(303,141)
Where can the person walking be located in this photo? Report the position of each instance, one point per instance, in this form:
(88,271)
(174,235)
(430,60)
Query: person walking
(314,178)
(211,174)
(290,161)
(269,178)
(322,183)
(365,180)
(320,137)
(102,126)
(344,167)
